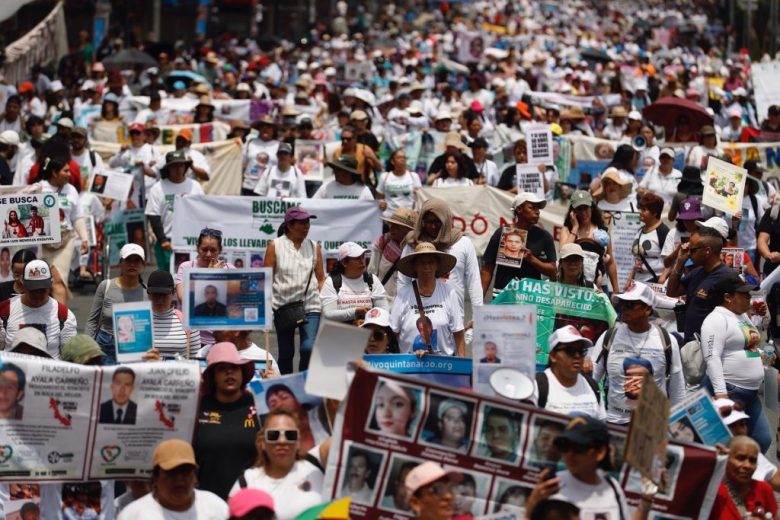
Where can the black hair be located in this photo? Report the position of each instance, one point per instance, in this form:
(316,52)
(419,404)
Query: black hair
(123,370)
(31,121)
(16,98)
(596,217)
(20,377)
(511,491)
(274,389)
(552,509)
(50,166)
(217,237)
(623,157)
(463,170)
(23,256)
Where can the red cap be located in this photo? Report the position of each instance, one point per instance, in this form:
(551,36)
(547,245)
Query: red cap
(26,86)
(137,127)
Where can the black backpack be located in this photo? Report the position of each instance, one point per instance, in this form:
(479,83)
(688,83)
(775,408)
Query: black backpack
(337,280)
(665,340)
(543,384)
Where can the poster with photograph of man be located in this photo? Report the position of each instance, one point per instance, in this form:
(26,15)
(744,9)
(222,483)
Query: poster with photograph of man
(394,496)
(733,258)
(397,409)
(112,184)
(509,497)
(362,467)
(511,246)
(448,422)
(540,449)
(500,434)
(470,491)
(227,299)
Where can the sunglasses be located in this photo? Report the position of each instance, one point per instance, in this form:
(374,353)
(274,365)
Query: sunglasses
(209,232)
(276,435)
(572,351)
(378,335)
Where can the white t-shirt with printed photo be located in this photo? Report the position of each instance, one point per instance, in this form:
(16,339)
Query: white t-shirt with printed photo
(68,197)
(336,190)
(277,184)
(442,308)
(159,200)
(43,318)
(398,190)
(258,156)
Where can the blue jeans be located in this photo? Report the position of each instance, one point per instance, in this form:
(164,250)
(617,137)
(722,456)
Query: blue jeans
(286,341)
(758,424)
(106,343)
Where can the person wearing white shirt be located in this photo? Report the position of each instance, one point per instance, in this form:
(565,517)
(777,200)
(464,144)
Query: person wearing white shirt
(173,493)
(346,182)
(137,159)
(259,154)
(200,167)
(488,171)
(283,180)
(88,160)
(662,179)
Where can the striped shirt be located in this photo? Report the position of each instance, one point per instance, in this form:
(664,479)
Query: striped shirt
(170,338)
(291,273)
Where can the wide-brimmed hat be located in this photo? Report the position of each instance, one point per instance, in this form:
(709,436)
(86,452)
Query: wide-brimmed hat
(618,111)
(226,352)
(175,157)
(32,337)
(80,349)
(205,101)
(446,261)
(403,216)
(453,139)
(573,114)
(347,163)
(613,174)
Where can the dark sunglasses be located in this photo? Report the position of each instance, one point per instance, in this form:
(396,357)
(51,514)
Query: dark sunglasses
(276,435)
(573,351)
(209,232)
(378,335)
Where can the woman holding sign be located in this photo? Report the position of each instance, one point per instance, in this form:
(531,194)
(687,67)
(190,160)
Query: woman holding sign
(427,314)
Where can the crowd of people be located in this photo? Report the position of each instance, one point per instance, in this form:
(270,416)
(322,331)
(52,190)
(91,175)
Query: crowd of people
(417,95)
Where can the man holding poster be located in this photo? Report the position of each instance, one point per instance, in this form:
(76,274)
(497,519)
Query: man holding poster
(537,254)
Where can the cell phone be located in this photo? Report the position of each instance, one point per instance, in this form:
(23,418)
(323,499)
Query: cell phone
(551,466)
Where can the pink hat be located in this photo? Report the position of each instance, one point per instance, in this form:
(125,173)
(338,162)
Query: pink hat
(226,352)
(426,473)
(249,499)
(476,106)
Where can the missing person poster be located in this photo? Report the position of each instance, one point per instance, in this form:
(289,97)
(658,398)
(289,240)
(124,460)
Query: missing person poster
(458,430)
(309,158)
(698,420)
(227,299)
(112,184)
(733,258)
(29,218)
(124,227)
(133,330)
(504,337)
(724,187)
(530,179)
(511,246)
(540,144)
(139,405)
(287,392)
(46,413)
(557,305)
(624,227)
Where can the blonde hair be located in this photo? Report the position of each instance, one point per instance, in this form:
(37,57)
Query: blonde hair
(262,458)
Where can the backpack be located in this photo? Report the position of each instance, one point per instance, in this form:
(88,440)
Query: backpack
(543,384)
(665,340)
(5,313)
(337,280)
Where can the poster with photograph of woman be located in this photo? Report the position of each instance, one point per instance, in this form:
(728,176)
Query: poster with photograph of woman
(362,467)
(511,246)
(448,422)
(396,410)
(509,497)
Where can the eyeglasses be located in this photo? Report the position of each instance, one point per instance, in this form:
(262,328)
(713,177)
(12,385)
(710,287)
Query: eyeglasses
(276,435)
(378,335)
(209,232)
(697,248)
(572,351)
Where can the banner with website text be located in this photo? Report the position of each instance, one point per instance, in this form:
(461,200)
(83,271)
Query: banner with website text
(68,422)
(251,222)
(500,467)
(478,211)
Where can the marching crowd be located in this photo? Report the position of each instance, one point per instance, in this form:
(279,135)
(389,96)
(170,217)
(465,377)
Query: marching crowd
(417,95)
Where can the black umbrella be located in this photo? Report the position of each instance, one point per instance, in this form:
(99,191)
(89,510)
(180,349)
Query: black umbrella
(129,58)
(595,55)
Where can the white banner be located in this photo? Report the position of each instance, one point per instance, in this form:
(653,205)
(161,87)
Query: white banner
(29,218)
(249,223)
(183,109)
(46,42)
(766,86)
(478,211)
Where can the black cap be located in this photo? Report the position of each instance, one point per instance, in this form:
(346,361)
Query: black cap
(753,166)
(160,282)
(774,110)
(479,142)
(732,283)
(284,148)
(584,431)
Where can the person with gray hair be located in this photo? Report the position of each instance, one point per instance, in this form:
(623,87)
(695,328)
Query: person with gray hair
(739,495)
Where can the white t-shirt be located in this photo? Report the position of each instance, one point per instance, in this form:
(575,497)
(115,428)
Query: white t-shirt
(277,184)
(730,344)
(70,209)
(258,156)
(605,500)
(444,310)
(159,200)
(299,490)
(450,182)
(85,166)
(621,205)
(647,346)
(489,171)
(746,232)
(579,398)
(336,190)
(207,506)
(665,186)
(43,318)
(398,190)
(651,248)
(673,239)
(198,160)
(127,159)
(354,293)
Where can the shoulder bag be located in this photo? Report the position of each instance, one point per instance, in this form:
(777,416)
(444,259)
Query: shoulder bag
(292,315)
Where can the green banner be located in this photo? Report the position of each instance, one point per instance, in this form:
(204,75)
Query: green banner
(557,305)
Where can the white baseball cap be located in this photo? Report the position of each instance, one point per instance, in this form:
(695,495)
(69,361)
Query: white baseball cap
(572,249)
(638,292)
(350,250)
(568,334)
(668,151)
(65,122)
(130,250)
(716,223)
(9,137)
(525,196)
(33,337)
(37,275)
(377,316)
(635,115)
